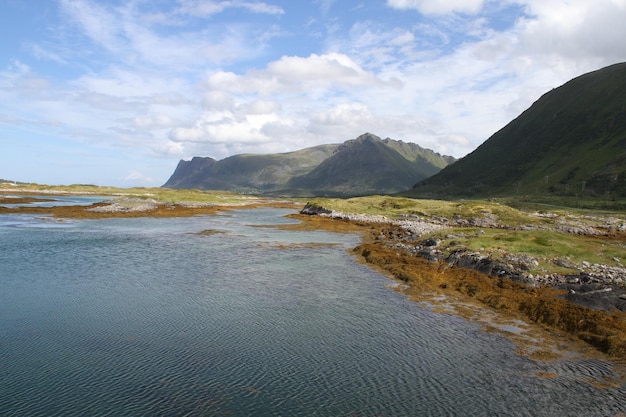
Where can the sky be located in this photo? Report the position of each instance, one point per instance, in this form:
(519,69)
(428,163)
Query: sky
(111,92)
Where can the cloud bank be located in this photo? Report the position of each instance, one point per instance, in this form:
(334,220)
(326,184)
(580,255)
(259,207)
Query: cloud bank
(175,79)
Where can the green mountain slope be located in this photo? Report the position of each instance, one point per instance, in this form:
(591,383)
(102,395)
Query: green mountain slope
(247,172)
(366,165)
(369,165)
(570,142)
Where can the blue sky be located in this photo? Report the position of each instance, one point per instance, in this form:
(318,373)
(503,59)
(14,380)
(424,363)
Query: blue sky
(112,92)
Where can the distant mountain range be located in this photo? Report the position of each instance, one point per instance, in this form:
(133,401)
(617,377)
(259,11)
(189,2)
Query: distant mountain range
(362,166)
(570,142)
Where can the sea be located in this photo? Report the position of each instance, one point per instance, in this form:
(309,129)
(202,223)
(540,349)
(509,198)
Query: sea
(232,315)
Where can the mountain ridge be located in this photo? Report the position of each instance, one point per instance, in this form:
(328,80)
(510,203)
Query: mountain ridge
(365,165)
(570,142)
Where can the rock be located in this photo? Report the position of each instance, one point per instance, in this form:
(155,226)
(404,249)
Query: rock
(314,210)
(430,242)
(563,263)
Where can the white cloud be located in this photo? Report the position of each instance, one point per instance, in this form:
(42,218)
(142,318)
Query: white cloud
(174,79)
(285,104)
(435,7)
(576,29)
(344,117)
(293,74)
(97,22)
(154,121)
(204,8)
(136,39)
(136,176)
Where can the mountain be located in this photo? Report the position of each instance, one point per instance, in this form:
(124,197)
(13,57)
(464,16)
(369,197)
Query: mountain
(365,165)
(369,165)
(570,142)
(247,172)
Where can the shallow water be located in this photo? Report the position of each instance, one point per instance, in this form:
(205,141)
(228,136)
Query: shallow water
(51,200)
(151,317)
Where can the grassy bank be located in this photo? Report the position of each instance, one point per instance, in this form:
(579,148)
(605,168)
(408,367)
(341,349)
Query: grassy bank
(559,240)
(133,202)
(158,194)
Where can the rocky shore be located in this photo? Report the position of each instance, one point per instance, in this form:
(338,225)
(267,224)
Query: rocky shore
(593,285)
(589,305)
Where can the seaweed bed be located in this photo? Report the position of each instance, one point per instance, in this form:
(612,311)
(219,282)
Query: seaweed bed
(427,281)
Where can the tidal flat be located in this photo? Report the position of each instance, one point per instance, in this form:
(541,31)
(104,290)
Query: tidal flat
(414,240)
(539,319)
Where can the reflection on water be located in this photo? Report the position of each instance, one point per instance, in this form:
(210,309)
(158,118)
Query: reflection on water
(156,317)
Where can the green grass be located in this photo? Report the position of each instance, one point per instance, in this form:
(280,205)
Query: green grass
(162,195)
(397,206)
(543,243)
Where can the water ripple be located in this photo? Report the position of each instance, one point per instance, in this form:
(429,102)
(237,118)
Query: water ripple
(143,317)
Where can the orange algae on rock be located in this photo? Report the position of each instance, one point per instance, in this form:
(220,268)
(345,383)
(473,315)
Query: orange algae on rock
(604,330)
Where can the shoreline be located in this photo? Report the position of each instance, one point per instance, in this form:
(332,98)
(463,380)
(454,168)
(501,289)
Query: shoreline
(127,207)
(430,279)
(423,279)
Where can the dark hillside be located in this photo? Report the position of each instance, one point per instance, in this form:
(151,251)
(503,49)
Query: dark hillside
(572,141)
(189,174)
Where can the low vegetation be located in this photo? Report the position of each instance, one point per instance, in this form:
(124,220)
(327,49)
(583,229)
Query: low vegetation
(159,195)
(559,239)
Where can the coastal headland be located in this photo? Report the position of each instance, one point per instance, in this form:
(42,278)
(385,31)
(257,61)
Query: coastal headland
(522,273)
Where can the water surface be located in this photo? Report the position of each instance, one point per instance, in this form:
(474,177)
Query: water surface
(132,317)
(52,200)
